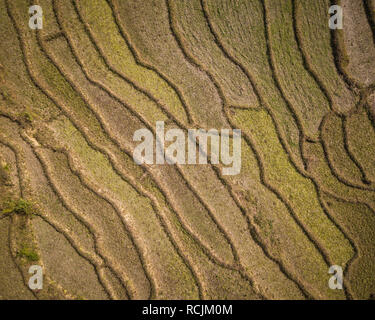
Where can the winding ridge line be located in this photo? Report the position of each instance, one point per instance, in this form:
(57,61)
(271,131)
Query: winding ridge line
(237,267)
(192,61)
(12,222)
(29,72)
(371,115)
(107,153)
(131,183)
(153,199)
(302,172)
(350,153)
(262,170)
(254,234)
(370,14)
(338,226)
(11,219)
(305,59)
(325,207)
(198,199)
(335,43)
(334,171)
(356,251)
(34,78)
(353,199)
(319,248)
(97,265)
(338,48)
(355,256)
(53,36)
(122,76)
(83,182)
(141,63)
(11,251)
(214,260)
(363,95)
(297,120)
(252,144)
(261,100)
(129,154)
(340,199)
(81,253)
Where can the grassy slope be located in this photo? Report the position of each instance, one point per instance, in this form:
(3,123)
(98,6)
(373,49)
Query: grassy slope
(114,48)
(298,86)
(358,41)
(333,139)
(271,231)
(361,141)
(297,190)
(315,41)
(116,118)
(231,23)
(358,221)
(194,34)
(149,30)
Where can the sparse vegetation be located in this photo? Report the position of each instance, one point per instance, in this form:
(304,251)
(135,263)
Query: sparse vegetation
(27,117)
(20,206)
(73,94)
(28,253)
(4,173)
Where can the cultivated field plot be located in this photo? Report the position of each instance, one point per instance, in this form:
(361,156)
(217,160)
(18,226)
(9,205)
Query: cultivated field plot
(74,201)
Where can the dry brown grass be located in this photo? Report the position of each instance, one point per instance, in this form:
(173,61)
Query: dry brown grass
(102,227)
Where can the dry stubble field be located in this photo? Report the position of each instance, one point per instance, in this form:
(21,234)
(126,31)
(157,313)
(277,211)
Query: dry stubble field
(73,200)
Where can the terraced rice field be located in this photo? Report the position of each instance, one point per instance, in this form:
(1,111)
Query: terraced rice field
(73,200)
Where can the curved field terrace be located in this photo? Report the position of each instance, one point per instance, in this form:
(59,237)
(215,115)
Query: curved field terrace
(174,149)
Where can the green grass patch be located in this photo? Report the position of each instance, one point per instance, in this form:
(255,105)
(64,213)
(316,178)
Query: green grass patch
(28,253)
(4,173)
(297,190)
(20,206)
